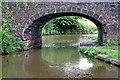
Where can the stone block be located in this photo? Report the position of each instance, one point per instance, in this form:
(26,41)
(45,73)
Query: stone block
(36,16)
(74,9)
(91,13)
(84,11)
(32,18)
(79,10)
(96,16)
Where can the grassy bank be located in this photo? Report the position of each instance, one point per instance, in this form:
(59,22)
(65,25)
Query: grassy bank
(92,38)
(93,52)
(112,47)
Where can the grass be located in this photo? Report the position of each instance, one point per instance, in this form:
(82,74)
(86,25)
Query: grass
(92,38)
(93,52)
(112,47)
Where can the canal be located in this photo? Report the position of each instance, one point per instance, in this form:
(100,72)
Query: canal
(58,58)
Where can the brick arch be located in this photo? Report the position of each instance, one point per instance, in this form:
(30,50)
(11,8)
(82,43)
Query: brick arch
(83,12)
(36,27)
(105,13)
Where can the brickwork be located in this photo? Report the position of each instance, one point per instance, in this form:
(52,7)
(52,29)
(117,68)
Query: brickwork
(32,17)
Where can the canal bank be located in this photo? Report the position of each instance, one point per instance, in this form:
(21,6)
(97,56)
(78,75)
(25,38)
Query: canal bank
(95,51)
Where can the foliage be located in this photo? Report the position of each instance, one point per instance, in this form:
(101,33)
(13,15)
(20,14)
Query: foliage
(8,33)
(92,38)
(65,24)
(112,47)
(87,26)
(93,52)
(68,25)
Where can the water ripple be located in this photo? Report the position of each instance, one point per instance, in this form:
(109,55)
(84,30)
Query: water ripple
(49,45)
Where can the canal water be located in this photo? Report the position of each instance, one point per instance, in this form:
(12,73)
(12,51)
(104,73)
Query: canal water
(58,58)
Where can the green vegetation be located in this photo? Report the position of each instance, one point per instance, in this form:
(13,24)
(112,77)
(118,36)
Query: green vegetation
(87,26)
(112,47)
(63,55)
(92,37)
(8,34)
(93,52)
(69,25)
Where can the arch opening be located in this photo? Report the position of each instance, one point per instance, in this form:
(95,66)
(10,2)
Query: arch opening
(34,31)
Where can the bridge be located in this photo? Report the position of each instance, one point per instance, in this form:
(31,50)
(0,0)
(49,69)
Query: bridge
(31,17)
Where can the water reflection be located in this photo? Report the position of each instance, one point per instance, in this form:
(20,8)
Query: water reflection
(81,69)
(84,64)
(46,63)
(75,44)
(61,40)
(49,45)
(56,59)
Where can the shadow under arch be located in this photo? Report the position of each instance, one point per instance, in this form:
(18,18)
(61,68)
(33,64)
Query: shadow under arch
(35,29)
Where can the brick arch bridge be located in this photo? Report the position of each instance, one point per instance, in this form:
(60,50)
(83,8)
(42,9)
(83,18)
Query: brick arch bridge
(32,18)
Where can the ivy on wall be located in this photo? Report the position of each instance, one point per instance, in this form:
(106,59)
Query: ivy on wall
(8,34)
